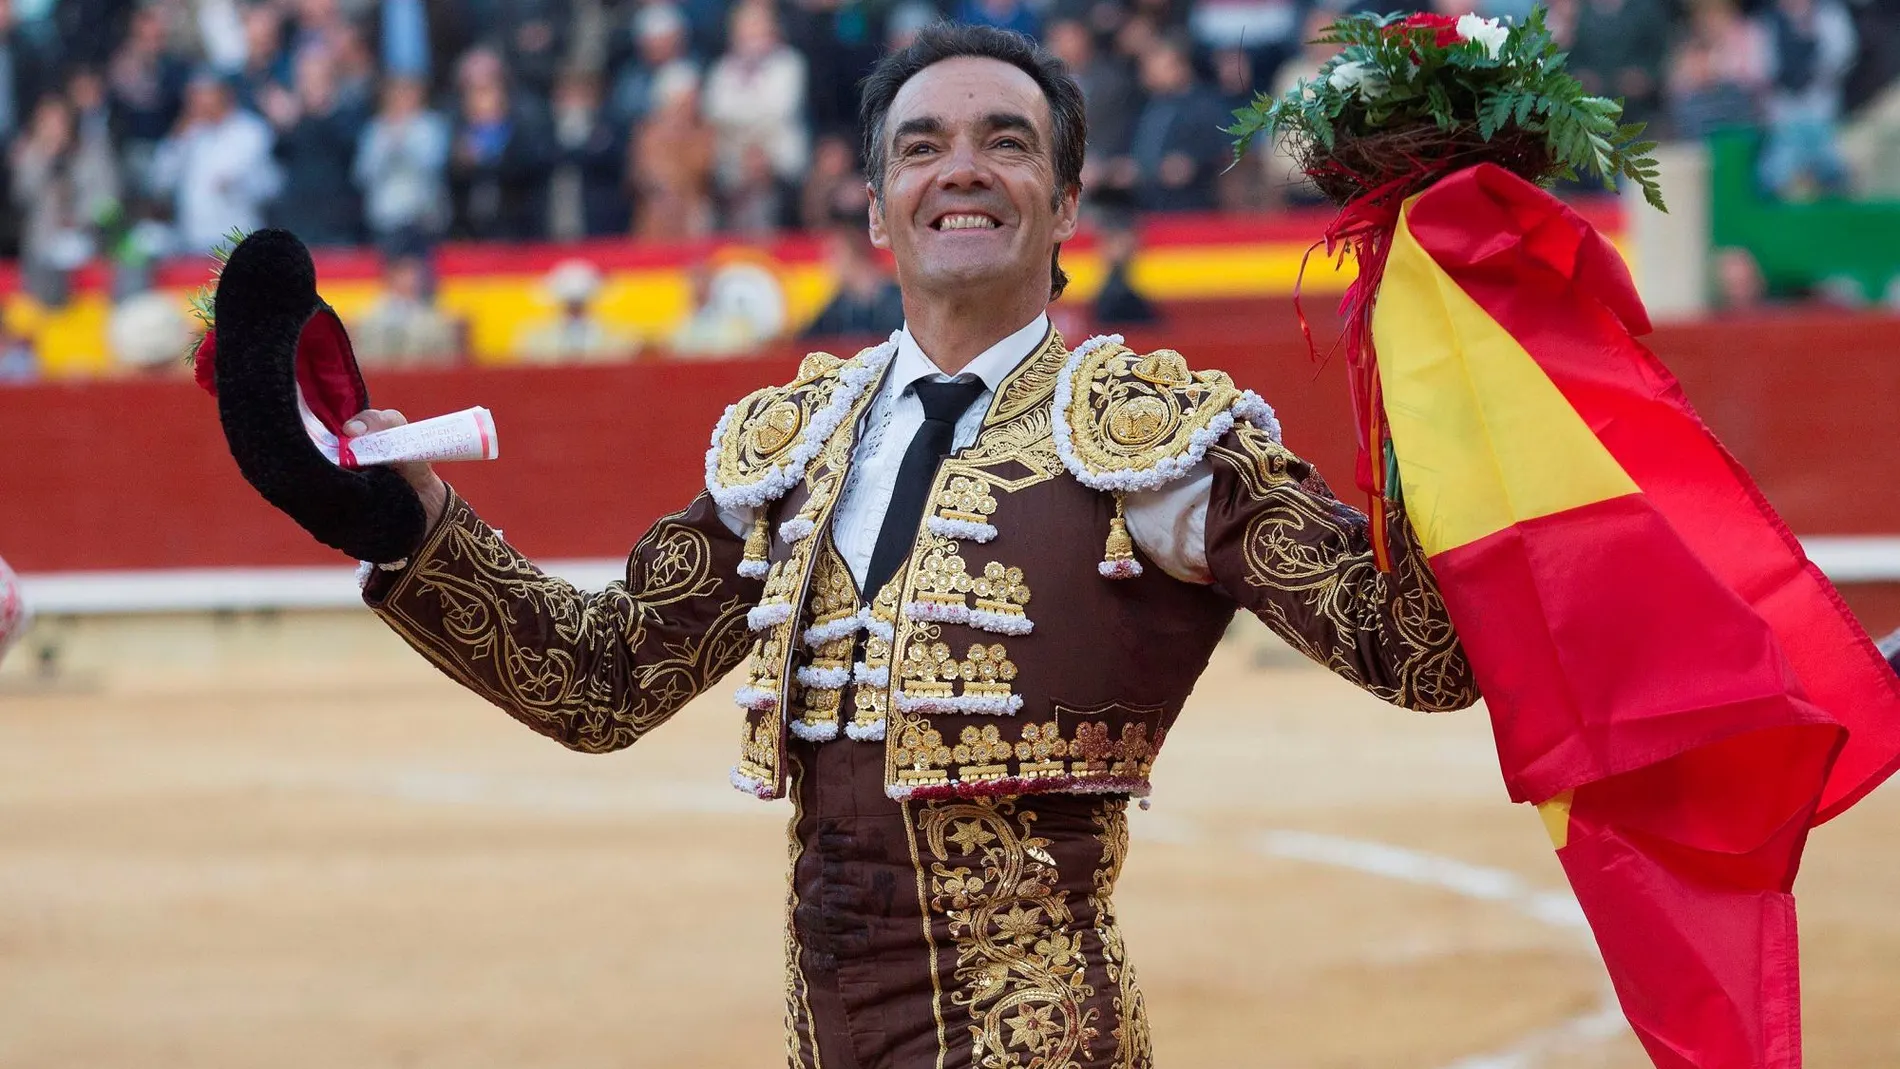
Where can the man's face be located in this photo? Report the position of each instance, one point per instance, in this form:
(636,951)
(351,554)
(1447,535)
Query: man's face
(969,180)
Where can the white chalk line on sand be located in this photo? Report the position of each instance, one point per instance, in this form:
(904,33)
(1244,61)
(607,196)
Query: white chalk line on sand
(1554,909)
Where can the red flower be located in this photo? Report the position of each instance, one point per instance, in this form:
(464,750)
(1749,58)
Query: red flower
(204,363)
(1446,25)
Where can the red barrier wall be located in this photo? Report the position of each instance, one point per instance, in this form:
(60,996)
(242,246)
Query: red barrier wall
(134,474)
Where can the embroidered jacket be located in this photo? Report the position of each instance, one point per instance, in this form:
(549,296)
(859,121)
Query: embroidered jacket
(975,687)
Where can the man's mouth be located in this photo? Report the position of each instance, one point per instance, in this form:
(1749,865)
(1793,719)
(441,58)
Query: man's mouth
(965,221)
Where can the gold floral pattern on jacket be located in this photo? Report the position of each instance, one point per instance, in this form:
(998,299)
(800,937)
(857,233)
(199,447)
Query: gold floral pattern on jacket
(594,671)
(1134,1043)
(1020,961)
(1307,571)
(1129,412)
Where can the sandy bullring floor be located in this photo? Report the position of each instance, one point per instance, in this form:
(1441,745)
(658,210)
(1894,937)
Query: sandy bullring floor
(289,843)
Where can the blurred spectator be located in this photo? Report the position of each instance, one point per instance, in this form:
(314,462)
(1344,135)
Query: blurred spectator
(1109,93)
(149,334)
(673,164)
(662,46)
(318,26)
(1003,14)
(755,95)
(219,31)
(400,166)
(499,159)
(576,335)
(534,36)
(1619,51)
(1178,147)
(1118,302)
(404,328)
(1810,48)
(721,323)
(1739,285)
(587,196)
(759,203)
(1719,72)
(147,86)
(97,182)
(217,167)
(54,238)
(316,142)
(867,301)
(355,71)
(835,188)
(266,61)
(24,74)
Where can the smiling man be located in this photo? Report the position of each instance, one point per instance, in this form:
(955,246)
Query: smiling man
(959,753)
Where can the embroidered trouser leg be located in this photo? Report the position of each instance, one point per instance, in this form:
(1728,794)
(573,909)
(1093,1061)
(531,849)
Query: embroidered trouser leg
(958,934)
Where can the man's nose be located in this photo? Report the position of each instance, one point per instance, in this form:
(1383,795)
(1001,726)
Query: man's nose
(964,168)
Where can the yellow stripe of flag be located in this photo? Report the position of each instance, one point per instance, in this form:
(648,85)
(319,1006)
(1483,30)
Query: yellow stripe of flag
(1484,439)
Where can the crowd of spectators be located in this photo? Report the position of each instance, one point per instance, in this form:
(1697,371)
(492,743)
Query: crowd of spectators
(140,129)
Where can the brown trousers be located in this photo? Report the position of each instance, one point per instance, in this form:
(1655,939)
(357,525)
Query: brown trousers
(953,935)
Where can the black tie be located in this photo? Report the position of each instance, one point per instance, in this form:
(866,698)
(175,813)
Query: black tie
(944,404)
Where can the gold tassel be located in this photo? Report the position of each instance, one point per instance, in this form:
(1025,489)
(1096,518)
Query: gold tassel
(1118,555)
(758,545)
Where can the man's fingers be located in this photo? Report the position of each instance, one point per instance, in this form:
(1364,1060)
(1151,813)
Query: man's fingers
(373,419)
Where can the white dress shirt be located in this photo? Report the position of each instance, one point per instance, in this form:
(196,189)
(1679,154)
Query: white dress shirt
(1168,524)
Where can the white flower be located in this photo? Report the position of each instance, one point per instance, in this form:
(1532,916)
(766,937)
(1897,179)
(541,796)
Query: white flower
(1487,32)
(1368,80)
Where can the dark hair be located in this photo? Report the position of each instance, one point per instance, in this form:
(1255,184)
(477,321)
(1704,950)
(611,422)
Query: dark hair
(944,40)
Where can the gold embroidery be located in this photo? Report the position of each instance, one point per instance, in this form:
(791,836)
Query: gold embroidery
(1134,1044)
(1019,960)
(931,671)
(967,499)
(1000,589)
(1333,605)
(798,1020)
(774,429)
(1128,412)
(594,671)
(921,757)
(1030,385)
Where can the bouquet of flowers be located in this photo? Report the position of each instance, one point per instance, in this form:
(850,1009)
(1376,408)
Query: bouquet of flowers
(1408,101)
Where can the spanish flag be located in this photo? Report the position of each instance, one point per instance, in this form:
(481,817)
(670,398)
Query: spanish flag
(1677,687)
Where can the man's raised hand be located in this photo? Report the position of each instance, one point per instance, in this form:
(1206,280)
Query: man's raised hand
(420,477)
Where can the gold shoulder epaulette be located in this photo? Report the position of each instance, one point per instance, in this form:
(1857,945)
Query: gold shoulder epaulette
(762,444)
(1127,421)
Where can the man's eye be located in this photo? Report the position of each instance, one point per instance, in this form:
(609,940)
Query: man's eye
(1008,142)
(915,149)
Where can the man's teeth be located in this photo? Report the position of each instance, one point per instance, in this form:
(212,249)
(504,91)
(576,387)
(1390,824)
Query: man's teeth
(966,222)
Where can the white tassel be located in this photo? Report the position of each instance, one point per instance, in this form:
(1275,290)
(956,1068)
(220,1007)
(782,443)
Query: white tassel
(815,730)
(1001,623)
(756,698)
(866,732)
(824,678)
(968,530)
(767,615)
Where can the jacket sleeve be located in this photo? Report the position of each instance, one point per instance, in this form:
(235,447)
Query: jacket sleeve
(594,671)
(1286,549)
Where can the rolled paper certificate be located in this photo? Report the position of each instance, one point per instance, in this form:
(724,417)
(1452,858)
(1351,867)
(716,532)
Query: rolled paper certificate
(465,435)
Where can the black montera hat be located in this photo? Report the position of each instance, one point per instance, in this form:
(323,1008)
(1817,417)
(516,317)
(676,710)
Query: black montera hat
(275,352)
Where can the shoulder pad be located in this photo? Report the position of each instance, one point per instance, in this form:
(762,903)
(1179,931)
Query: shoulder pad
(1128,421)
(762,444)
